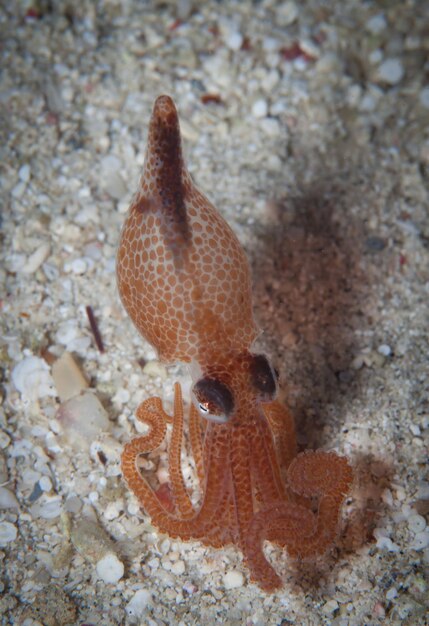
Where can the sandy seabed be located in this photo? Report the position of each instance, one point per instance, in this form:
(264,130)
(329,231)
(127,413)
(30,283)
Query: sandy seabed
(307,124)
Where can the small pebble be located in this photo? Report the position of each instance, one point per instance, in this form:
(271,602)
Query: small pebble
(155,369)
(416,523)
(415,429)
(137,606)
(8,533)
(391,593)
(36,259)
(110,569)
(78,266)
(189,588)
(49,507)
(420,541)
(330,607)
(233,579)
(18,190)
(24,173)
(8,499)
(287,13)
(113,510)
(376,24)
(384,349)
(391,71)
(375,56)
(178,568)
(424,97)
(234,40)
(73,504)
(260,108)
(45,483)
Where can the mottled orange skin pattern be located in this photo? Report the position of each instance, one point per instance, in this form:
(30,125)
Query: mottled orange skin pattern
(185,282)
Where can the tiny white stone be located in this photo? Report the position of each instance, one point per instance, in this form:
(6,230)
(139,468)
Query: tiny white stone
(391,593)
(67,332)
(375,56)
(233,579)
(367,103)
(287,13)
(384,542)
(421,541)
(165,546)
(270,127)
(330,607)
(112,510)
(234,40)
(78,266)
(415,429)
(139,603)
(122,396)
(18,191)
(384,349)
(178,568)
(424,97)
(45,483)
(189,587)
(376,24)
(416,523)
(133,508)
(110,569)
(260,108)
(8,499)
(391,71)
(155,369)
(24,173)
(8,533)
(73,504)
(50,508)
(93,497)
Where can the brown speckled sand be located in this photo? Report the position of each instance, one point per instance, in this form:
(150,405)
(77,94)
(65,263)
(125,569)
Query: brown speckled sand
(307,126)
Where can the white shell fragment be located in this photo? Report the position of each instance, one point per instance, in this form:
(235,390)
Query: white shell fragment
(8,533)
(69,380)
(137,606)
(47,507)
(32,379)
(110,569)
(8,499)
(36,259)
(83,419)
(391,71)
(233,579)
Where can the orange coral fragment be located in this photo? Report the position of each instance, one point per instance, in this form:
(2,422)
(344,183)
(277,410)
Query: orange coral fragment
(185,282)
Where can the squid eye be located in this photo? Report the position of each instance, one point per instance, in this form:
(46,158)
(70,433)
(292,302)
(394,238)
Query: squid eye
(213,399)
(263,377)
